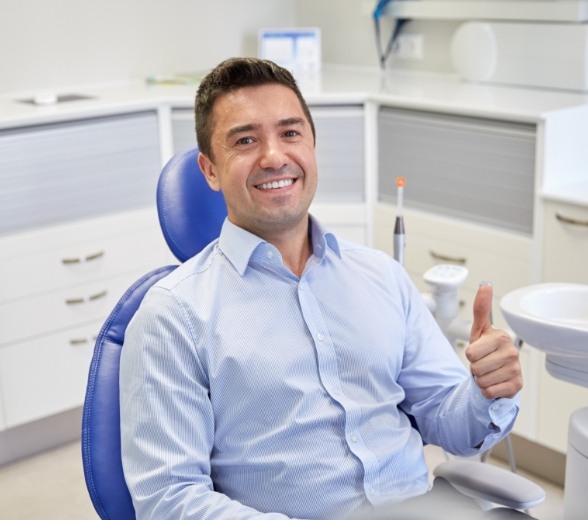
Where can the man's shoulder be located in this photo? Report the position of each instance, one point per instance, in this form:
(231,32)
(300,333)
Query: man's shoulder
(348,247)
(193,268)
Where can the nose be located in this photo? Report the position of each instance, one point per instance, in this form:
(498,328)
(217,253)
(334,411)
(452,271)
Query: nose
(273,155)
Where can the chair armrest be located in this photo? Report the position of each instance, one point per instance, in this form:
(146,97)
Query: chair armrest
(491,483)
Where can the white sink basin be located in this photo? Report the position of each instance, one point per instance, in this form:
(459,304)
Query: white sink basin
(553,317)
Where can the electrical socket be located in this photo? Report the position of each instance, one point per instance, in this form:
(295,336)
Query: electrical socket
(409,46)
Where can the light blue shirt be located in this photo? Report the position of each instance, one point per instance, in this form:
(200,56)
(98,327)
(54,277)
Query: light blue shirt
(246,389)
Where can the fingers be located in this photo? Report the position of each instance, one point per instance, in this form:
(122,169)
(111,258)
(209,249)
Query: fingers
(495,365)
(482,312)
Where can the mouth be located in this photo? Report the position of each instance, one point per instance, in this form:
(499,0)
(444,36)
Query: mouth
(275,185)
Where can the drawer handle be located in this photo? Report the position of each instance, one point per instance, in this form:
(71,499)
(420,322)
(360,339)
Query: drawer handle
(91,298)
(94,256)
(79,259)
(573,221)
(97,296)
(69,261)
(74,342)
(75,301)
(452,259)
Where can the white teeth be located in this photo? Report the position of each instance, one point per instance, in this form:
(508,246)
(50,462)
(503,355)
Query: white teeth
(276,184)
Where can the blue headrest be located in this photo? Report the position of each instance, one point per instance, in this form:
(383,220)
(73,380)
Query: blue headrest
(191,214)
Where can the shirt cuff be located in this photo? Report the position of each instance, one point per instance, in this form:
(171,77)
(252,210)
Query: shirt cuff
(498,414)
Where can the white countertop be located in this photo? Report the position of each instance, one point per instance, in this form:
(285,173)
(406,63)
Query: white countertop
(334,86)
(570,193)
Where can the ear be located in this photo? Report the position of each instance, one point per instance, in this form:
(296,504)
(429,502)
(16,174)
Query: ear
(209,170)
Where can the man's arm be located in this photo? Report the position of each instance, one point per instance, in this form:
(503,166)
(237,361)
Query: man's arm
(443,396)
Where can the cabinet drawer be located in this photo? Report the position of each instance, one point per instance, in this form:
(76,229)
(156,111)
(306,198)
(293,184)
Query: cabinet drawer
(82,261)
(46,313)
(65,171)
(46,375)
(565,243)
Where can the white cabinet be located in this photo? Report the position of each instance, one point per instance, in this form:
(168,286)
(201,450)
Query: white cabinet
(77,226)
(565,243)
(565,259)
(61,284)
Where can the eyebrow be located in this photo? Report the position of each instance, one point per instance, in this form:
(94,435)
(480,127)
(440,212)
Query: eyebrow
(290,121)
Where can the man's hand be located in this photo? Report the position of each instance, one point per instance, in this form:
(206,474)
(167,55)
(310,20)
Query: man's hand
(494,360)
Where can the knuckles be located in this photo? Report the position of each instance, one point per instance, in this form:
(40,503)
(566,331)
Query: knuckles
(494,361)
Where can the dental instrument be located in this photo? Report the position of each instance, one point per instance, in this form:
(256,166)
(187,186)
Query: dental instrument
(399,225)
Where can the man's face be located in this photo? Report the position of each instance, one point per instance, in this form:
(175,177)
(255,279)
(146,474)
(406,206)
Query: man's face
(264,159)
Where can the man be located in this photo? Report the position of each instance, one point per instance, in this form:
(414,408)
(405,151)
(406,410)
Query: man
(273,374)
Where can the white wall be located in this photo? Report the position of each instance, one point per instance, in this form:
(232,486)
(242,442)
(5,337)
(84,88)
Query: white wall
(53,43)
(348,35)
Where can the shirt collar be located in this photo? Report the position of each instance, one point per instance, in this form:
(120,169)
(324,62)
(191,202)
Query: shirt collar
(238,245)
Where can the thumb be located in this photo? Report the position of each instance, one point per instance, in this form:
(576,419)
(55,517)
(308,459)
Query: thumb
(482,311)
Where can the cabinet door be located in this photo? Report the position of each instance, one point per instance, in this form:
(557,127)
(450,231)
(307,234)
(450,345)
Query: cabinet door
(339,154)
(183,129)
(556,401)
(47,375)
(65,171)
(476,169)
(565,259)
(565,243)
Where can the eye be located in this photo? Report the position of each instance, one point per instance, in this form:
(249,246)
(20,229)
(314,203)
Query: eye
(291,133)
(245,141)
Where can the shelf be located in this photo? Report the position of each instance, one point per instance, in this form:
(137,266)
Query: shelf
(567,11)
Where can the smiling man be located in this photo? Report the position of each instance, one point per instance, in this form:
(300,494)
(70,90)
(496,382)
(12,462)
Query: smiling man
(262,158)
(276,374)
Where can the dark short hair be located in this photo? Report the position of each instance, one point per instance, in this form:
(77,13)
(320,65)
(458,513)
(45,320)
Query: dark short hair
(231,75)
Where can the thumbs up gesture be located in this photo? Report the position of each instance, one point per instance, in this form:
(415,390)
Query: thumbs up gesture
(494,360)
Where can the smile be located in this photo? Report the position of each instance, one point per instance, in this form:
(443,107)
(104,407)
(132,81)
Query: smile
(276,184)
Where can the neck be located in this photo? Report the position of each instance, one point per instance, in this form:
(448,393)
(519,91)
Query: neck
(294,246)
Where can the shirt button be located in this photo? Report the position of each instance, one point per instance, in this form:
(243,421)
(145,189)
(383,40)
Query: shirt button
(320,337)
(354,438)
(270,254)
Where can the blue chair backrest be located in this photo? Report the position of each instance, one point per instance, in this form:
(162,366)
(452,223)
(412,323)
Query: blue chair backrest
(190,213)
(191,216)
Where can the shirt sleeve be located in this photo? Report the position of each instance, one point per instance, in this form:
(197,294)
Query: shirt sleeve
(441,394)
(167,421)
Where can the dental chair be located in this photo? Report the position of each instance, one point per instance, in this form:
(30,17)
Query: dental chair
(191,216)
